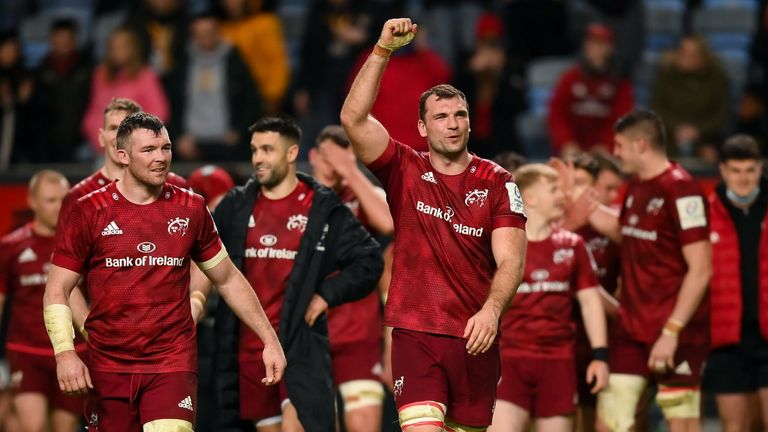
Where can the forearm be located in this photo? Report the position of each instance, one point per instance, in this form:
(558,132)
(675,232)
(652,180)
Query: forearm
(372,202)
(691,293)
(243,300)
(505,283)
(593,315)
(362,94)
(606,221)
(198,282)
(79,308)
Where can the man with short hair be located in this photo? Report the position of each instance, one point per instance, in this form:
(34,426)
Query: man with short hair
(737,366)
(662,330)
(458,255)
(356,344)
(136,236)
(538,378)
(303,251)
(24,261)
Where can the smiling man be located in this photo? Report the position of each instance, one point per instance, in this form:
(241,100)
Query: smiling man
(458,255)
(137,236)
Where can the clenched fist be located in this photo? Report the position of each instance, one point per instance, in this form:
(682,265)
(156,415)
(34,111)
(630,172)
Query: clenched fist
(397,33)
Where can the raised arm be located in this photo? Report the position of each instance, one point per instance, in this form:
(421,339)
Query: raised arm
(71,371)
(509,245)
(237,292)
(369,138)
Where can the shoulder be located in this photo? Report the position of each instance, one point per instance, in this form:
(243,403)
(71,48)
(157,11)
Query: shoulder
(16,236)
(677,181)
(87,185)
(488,170)
(182,196)
(98,199)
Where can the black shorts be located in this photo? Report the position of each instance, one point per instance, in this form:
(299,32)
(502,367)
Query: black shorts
(739,368)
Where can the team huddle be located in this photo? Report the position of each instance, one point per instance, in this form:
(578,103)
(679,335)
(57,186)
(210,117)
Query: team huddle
(500,284)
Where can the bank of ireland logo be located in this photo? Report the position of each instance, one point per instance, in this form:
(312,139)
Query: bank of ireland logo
(298,222)
(146,247)
(178,226)
(477,196)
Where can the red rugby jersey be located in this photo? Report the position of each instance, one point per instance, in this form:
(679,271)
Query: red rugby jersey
(443,262)
(138,259)
(540,323)
(658,218)
(274,234)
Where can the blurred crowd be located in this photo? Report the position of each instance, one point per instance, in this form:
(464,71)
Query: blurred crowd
(543,77)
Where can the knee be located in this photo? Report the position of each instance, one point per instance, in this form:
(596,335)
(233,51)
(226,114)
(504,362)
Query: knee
(617,403)
(422,414)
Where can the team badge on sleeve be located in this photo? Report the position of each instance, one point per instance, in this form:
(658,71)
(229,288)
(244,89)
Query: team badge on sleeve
(691,212)
(515,199)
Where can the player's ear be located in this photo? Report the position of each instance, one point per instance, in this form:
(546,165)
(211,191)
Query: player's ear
(293,153)
(122,155)
(422,129)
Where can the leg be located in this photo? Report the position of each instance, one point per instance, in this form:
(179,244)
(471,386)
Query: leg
(291,421)
(762,394)
(275,427)
(616,404)
(65,421)
(733,409)
(32,411)
(554,424)
(363,419)
(508,417)
(585,419)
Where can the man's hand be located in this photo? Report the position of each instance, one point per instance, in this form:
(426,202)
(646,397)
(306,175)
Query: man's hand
(481,330)
(316,307)
(340,159)
(662,356)
(597,372)
(274,363)
(72,373)
(397,33)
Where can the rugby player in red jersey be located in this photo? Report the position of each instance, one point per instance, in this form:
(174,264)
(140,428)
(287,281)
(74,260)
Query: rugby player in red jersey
(136,237)
(538,378)
(666,262)
(458,255)
(25,256)
(354,329)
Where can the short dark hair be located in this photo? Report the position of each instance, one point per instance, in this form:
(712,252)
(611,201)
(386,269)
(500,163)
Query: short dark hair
(644,122)
(334,133)
(606,162)
(284,126)
(585,161)
(740,147)
(442,91)
(65,23)
(510,160)
(139,120)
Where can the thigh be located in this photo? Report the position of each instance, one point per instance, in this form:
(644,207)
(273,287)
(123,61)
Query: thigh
(416,370)
(689,362)
(554,424)
(472,381)
(32,410)
(32,374)
(257,401)
(518,382)
(354,362)
(627,356)
(109,405)
(509,417)
(170,395)
(733,409)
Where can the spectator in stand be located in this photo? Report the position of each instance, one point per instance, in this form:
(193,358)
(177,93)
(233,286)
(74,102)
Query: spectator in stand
(760,51)
(493,97)
(244,23)
(213,96)
(451,25)
(337,32)
(123,74)
(410,70)
(738,363)
(753,116)
(62,83)
(19,136)
(162,29)
(589,97)
(691,95)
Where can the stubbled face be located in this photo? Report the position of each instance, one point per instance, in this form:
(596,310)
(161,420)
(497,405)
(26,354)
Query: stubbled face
(446,125)
(147,157)
(46,202)
(545,197)
(608,186)
(108,134)
(625,150)
(271,156)
(741,176)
